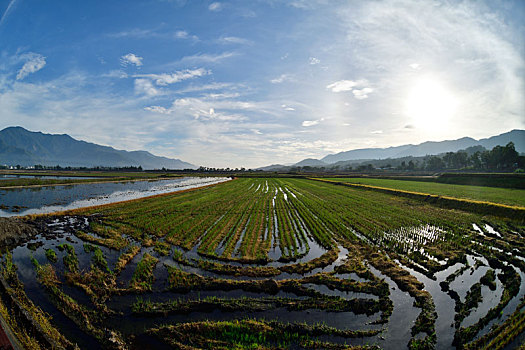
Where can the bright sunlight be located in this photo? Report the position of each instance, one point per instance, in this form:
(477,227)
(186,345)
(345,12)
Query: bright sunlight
(431,105)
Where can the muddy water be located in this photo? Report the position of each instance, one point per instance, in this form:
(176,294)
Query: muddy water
(40,200)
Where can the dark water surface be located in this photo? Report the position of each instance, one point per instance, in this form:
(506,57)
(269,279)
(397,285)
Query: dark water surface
(48,199)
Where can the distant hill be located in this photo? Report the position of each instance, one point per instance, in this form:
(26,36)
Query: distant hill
(311,162)
(272,167)
(19,146)
(430,148)
(408,152)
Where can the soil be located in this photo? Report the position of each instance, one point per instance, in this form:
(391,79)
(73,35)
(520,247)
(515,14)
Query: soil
(15,231)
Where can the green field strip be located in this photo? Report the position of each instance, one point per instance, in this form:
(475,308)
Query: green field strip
(514,212)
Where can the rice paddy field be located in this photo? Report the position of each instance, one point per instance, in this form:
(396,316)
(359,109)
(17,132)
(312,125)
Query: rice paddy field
(256,263)
(480,193)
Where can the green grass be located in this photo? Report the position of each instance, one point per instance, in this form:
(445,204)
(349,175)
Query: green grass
(143,276)
(479,193)
(256,209)
(70,259)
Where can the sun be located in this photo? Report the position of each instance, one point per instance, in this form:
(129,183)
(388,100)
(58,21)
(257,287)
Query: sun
(431,105)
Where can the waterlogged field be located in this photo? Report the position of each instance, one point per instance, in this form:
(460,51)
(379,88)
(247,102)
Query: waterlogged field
(479,193)
(268,263)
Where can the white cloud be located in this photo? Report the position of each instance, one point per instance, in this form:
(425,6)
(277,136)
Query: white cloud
(376,132)
(215,7)
(415,66)
(117,73)
(7,10)
(206,87)
(144,86)
(166,79)
(287,108)
(131,58)
(157,109)
(281,79)
(207,108)
(182,34)
(208,58)
(350,85)
(135,33)
(344,85)
(362,94)
(35,63)
(234,40)
(308,123)
(314,61)
(222,96)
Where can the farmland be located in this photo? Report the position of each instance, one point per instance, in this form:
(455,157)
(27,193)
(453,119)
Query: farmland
(271,263)
(479,193)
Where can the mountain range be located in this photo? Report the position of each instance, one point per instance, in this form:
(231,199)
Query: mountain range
(422,149)
(19,146)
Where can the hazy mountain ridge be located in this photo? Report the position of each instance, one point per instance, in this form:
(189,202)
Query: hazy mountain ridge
(407,152)
(429,148)
(27,148)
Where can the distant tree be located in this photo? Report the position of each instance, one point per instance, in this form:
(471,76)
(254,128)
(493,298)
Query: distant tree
(475,160)
(435,163)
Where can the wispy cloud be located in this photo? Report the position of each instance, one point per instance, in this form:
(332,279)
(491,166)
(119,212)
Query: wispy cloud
(234,40)
(314,61)
(131,58)
(344,85)
(215,6)
(362,93)
(135,33)
(287,108)
(206,108)
(350,85)
(34,63)
(281,79)
(7,10)
(172,78)
(145,87)
(206,87)
(182,34)
(139,33)
(208,58)
(308,123)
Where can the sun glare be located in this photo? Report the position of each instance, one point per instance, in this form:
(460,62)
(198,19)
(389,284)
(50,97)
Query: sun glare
(430,105)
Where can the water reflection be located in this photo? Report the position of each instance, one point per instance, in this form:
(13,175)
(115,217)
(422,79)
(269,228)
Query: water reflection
(40,200)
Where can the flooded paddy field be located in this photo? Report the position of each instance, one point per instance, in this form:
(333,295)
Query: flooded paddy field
(50,177)
(267,263)
(47,199)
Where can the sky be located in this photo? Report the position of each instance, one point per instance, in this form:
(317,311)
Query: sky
(253,83)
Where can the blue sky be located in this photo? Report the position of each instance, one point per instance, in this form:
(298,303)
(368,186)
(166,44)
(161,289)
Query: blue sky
(252,83)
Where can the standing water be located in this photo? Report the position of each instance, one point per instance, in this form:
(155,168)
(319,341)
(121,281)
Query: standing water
(42,200)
